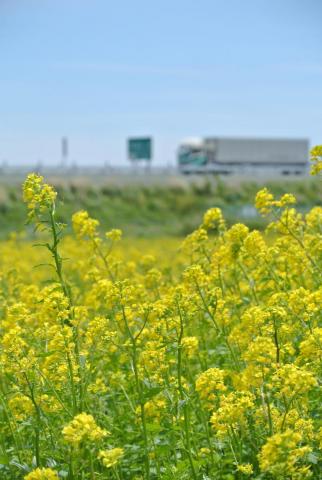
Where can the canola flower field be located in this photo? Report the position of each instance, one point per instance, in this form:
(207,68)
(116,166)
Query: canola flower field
(131,360)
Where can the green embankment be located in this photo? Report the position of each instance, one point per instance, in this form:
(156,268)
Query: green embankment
(154,210)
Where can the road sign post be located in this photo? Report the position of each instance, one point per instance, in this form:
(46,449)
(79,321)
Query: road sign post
(140,149)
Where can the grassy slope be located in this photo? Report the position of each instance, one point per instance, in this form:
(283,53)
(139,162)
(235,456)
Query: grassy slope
(156,210)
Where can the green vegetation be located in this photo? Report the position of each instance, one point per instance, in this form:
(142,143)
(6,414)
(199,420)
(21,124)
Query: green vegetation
(154,210)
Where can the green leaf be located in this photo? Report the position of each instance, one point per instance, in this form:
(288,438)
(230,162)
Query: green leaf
(312,458)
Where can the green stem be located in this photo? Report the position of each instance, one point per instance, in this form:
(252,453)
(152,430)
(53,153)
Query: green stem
(57,258)
(66,290)
(276,342)
(218,329)
(71,469)
(91,465)
(183,399)
(142,412)
(38,421)
(140,396)
(14,431)
(104,258)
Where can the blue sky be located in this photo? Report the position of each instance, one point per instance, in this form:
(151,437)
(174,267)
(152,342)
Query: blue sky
(99,71)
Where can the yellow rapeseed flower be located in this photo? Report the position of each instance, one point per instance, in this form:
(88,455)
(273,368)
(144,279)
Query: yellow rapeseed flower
(209,383)
(282,456)
(83,429)
(246,468)
(84,225)
(111,457)
(42,474)
(316,159)
(37,195)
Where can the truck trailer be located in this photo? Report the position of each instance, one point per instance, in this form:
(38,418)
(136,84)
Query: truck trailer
(250,156)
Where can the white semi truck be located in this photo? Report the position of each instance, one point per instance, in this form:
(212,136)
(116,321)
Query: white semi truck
(251,156)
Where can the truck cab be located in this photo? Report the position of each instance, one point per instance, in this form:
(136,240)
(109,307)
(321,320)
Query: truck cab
(192,155)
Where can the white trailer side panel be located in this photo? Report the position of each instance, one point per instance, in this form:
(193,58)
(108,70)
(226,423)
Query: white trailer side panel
(259,151)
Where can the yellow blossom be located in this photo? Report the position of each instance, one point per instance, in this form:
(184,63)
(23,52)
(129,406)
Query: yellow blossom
(190,345)
(316,159)
(83,429)
(291,380)
(282,456)
(213,219)
(37,195)
(84,226)
(210,382)
(264,201)
(110,458)
(246,469)
(115,234)
(42,474)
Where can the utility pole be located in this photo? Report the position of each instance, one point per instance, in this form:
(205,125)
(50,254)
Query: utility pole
(64,152)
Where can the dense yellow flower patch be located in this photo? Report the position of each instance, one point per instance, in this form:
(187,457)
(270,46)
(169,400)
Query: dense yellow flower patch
(128,359)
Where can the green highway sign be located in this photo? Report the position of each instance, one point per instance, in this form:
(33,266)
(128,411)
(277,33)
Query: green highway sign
(140,148)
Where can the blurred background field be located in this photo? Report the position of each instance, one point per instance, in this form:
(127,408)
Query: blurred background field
(155,205)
